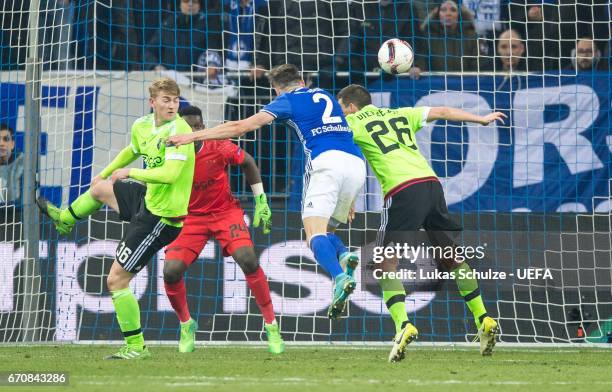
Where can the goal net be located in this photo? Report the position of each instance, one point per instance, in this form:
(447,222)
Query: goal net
(535,191)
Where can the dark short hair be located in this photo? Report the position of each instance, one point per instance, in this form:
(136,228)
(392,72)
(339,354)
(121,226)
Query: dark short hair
(190,111)
(284,75)
(355,94)
(5,127)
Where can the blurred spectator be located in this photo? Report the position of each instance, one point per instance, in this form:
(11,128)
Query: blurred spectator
(510,52)
(372,24)
(586,56)
(211,62)
(121,32)
(486,14)
(584,19)
(538,22)
(82,32)
(309,33)
(449,39)
(607,53)
(247,39)
(246,17)
(56,18)
(183,37)
(487,21)
(13,44)
(121,46)
(422,9)
(11,167)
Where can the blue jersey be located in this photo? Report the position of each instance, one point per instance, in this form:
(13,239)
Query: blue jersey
(317,119)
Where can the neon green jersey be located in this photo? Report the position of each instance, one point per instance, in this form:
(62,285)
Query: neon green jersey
(165,200)
(387,139)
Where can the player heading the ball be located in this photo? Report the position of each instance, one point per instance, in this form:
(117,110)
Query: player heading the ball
(335,169)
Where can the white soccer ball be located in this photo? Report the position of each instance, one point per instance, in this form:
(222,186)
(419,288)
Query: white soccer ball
(395,56)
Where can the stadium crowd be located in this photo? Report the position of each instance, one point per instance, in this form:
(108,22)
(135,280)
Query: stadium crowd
(250,35)
(233,42)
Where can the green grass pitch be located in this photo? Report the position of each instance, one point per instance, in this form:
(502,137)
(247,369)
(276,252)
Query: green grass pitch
(317,368)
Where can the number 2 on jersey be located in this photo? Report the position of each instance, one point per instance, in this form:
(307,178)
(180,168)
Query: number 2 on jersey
(378,128)
(329,106)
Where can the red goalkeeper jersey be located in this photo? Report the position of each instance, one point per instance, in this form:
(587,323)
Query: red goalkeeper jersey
(211,192)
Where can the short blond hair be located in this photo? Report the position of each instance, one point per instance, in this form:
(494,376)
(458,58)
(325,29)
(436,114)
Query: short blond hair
(166,85)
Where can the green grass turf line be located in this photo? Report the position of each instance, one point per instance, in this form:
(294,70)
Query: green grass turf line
(316,369)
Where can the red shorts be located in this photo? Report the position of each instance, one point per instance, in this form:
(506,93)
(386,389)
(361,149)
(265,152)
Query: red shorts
(228,228)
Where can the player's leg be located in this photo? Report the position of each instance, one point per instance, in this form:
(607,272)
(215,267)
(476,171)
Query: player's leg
(348,260)
(400,220)
(326,257)
(174,270)
(394,296)
(322,185)
(336,241)
(145,236)
(258,283)
(439,226)
(100,192)
(322,248)
(233,235)
(349,189)
(127,311)
(321,189)
(177,295)
(348,177)
(180,254)
(256,280)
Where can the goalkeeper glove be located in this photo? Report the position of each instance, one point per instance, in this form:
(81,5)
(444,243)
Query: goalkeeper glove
(262,213)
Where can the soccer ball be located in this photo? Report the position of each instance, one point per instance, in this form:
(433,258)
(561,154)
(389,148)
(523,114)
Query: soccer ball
(395,56)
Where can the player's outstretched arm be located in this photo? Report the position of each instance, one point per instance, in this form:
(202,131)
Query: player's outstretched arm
(453,114)
(228,130)
(124,158)
(165,174)
(263,214)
